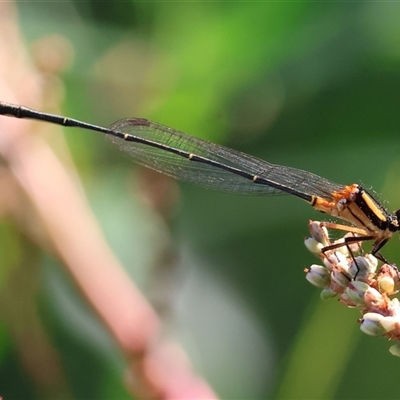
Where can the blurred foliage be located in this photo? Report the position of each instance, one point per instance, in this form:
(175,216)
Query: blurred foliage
(310,85)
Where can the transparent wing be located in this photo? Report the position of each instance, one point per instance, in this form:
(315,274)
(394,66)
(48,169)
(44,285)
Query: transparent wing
(207,171)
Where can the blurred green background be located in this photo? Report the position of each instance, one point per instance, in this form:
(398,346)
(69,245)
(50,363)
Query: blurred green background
(309,85)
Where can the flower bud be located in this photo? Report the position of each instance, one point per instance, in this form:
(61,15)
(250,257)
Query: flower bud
(390,323)
(343,248)
(356,292)
(372,297)
(361,267)
(319,232)
(318,276)
(314,246)
(340,277)
(386,284)
(327,294)
(395,306)
(354,247)
(372,262)
(395,350)
(371,324)
(328,264)
(336,258)
(345,299)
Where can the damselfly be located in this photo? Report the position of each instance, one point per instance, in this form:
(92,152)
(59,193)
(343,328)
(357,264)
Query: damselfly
(187,158)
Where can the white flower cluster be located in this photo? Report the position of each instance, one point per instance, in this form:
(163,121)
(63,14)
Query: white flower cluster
(357,281)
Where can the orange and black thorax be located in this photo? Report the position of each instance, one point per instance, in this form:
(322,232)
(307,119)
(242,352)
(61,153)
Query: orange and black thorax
(355,205)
